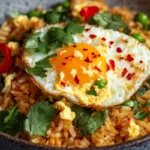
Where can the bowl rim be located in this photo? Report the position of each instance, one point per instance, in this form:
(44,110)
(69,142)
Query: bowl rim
(133,142)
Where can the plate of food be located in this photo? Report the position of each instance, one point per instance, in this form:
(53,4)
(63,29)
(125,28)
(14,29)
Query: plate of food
(74,74)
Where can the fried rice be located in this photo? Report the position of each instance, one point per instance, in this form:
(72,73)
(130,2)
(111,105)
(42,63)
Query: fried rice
(62,133)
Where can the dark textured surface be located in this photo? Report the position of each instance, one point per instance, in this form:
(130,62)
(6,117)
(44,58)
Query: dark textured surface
(7,6)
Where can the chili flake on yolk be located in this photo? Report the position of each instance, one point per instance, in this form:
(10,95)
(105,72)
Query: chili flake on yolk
(85,59)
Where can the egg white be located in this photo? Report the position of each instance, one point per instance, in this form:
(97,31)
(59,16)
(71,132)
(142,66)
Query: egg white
(119,88)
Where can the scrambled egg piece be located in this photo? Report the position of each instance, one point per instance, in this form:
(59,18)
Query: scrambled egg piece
(65,111)
(133,129)
(14,46)
(9,78)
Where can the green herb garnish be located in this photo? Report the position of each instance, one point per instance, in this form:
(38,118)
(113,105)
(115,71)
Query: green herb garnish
(34,13)
(141,115)
(136,105)
(138,37)
(53,38)
(39,65)
(129,103)
(58,13)
(109,21)
(11,121)
(44,63)
(87,123)
(100,84)
(92,92)
(39,118)
(147,104)
(142,90)
(36,71)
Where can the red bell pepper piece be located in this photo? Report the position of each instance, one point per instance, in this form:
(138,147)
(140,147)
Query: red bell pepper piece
(5,58)
(89,11)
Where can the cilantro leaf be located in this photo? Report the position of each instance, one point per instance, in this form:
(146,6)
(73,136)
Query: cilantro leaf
(68,39)
(55,33)
(52,17)
(58,13)
(109,21)
(39,118)
(1,83)
(11,121)
(44,63)
(39,70)
(32,41)
(85,122)
(73,27)
(52,38)
(43,47)
(55,45)
(36,71)
(142,90)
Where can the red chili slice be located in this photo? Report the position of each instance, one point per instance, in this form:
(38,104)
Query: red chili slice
(119,50)
(88,12)
(92,36)
(96,68)
(76,79)
(112,64)
(5,58)
(64,63)
(108,67)
(124,72)
(111,42)
(103,39)
(140,61)
(88,60)
(63,83)
(130,58)
(87,29)
(130,76)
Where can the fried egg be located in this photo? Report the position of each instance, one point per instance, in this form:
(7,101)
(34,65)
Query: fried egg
(97,55)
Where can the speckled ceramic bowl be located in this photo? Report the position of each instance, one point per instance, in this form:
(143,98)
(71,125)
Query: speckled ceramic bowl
(7,6)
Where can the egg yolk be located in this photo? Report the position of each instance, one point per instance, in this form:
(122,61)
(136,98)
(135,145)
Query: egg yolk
(79,63)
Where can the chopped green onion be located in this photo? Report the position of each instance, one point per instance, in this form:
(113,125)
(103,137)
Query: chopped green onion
(147,104)
(142,90)
(141,115)
(129,103)
(92,92)
(138,37)
(100,84)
